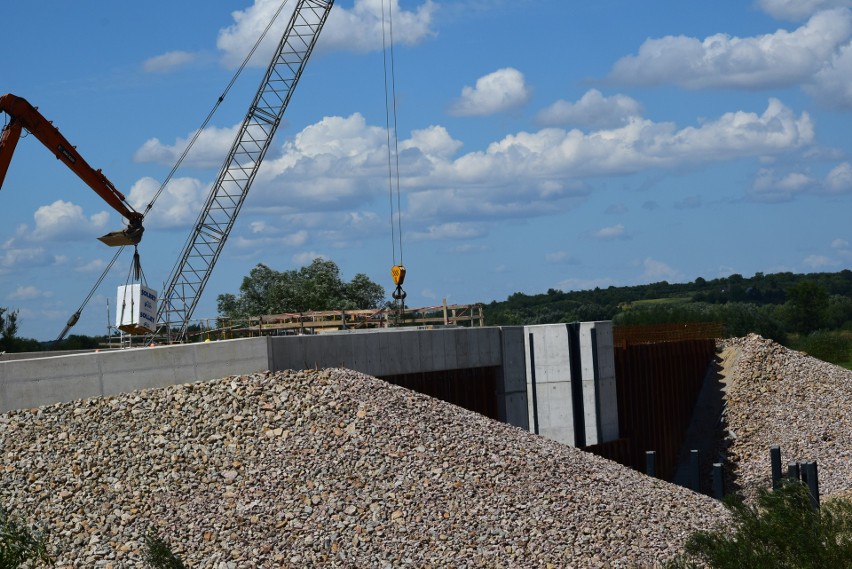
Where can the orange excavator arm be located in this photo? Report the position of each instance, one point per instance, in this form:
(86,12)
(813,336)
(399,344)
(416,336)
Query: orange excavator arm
(24,116)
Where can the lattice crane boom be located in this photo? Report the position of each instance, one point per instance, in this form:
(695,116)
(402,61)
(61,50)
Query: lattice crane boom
(204,245)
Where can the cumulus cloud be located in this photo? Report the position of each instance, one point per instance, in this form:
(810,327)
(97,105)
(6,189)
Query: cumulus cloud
(772,60)
(208,151)
(339,164)
(771,187)
(306,258)
(830,85)
(168,62)
(656,271)
(818,262)
(288,240)
(12,257)
(613,232)
(63,220)
(560,258)
(178,205)
(798,9)
(449,231)
(592,110)
(839,179)
(497,92)
(28,293)
(357,29)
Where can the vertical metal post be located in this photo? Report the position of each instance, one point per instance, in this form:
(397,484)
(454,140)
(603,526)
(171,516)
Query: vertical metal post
(718,481)
(694,471)
(651,463)
(793,471)
(775,456)
(810,478)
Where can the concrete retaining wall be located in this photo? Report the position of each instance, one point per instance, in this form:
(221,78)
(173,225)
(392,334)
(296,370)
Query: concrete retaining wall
(543,381)
(44,381)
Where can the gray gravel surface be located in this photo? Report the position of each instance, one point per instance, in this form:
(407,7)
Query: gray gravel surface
(326,468)
(781,397)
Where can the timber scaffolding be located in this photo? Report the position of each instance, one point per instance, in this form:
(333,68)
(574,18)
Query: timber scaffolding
(318,322)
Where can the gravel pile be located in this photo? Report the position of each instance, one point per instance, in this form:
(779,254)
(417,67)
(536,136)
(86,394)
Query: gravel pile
(780,397)
(326,468)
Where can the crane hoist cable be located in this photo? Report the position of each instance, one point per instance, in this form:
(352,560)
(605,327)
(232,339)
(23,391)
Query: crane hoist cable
(76,316)
(398,269)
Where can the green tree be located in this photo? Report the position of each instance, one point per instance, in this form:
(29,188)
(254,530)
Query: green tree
(317,286)
(807,306)
(8,326)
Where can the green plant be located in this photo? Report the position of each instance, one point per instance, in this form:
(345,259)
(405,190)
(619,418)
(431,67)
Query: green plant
(20,544)
(832,347)
(158,554)
(782,531)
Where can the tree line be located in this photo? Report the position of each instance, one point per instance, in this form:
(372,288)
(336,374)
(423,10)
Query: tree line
(779,306)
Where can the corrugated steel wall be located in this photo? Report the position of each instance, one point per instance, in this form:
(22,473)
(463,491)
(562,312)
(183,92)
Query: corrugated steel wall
(658,384)
(474,388)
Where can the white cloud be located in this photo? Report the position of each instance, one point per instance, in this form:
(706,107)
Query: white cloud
(656,271)
(357,29)
(798,9)
(28,293)
(616,209)
(560,258)
(720,61)
(840,244)
(768,187)
(497,92)
(23,257)
(448,231)
(66,221)
(818,262)
(178,205)
(339,164)
(306,258)
(830,85)
(592,110)
(209,150)
(613,232)
(839,179)
(168,62)
(568,285)
(93,266)
(290,240)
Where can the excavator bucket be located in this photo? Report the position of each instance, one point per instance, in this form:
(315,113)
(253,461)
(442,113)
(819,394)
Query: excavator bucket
(118,239)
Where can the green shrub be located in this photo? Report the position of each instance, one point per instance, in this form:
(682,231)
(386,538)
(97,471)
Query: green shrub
(20,544)
(782,531)
(158,554)
(832,347)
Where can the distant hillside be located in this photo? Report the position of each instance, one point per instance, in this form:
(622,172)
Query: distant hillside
(772,305)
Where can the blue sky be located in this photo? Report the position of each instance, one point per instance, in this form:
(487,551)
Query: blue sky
(543,144)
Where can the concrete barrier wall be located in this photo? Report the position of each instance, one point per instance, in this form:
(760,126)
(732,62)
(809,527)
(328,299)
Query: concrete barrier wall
(390,351)
(535,388)
(44,381)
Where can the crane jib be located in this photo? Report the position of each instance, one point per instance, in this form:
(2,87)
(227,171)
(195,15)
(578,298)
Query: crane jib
(64,151)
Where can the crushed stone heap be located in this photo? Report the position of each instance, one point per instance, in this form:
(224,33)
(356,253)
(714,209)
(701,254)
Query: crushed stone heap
(327,468)
(781,397)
